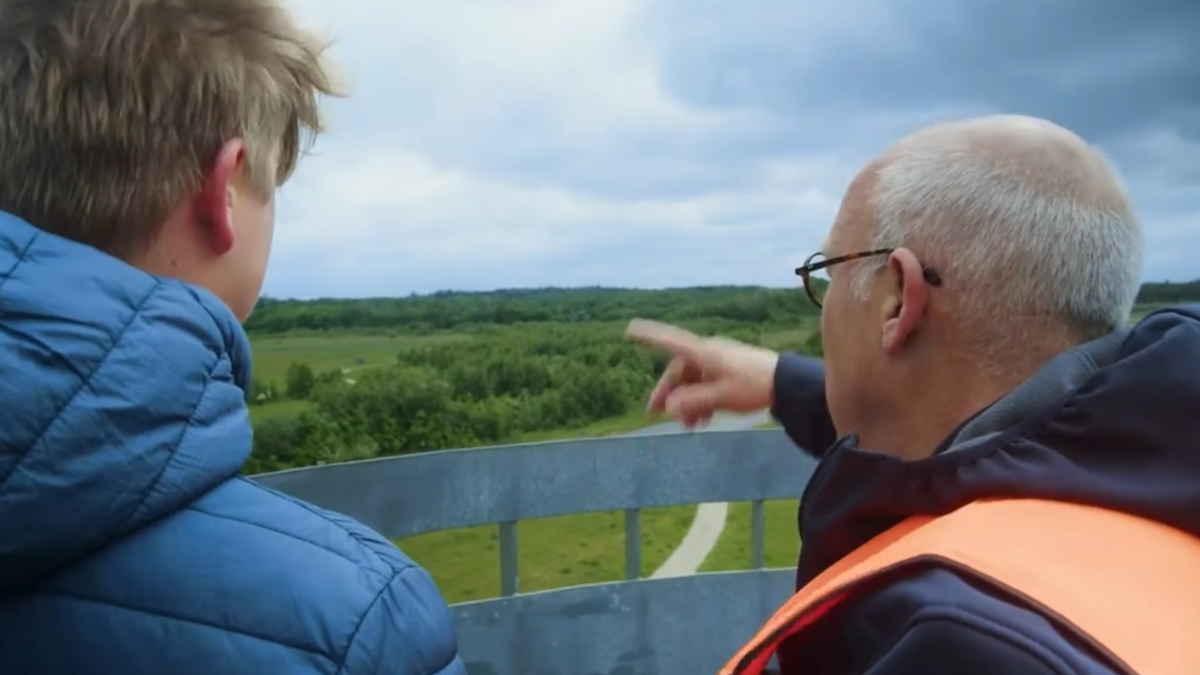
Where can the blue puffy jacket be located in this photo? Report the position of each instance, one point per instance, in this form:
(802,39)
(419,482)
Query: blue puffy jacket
(127,542)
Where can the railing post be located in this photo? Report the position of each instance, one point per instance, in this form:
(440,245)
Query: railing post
(757,561)
(633,544)
(508,558)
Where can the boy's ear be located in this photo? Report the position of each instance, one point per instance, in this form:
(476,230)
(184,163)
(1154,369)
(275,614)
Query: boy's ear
(219,195)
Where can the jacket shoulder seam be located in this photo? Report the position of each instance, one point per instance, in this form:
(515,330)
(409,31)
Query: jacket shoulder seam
(284,533)
(83,384)
(362,620)
(21,258)
(369,551)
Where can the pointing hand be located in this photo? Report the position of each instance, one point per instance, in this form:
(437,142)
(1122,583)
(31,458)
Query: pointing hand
(706,374)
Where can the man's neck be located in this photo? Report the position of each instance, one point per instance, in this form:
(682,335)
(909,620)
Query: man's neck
(923,422)
(954,387)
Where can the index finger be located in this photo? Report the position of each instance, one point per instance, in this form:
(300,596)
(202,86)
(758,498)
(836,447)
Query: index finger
(669,338)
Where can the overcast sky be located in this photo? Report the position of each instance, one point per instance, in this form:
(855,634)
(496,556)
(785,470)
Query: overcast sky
(514,143)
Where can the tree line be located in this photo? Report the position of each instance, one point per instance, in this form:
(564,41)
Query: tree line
(1168,293)
(470,311)
(422,314)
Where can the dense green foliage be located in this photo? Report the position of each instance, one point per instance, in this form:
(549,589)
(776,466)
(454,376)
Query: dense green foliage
(502,383)
(300,381)
(1166,293)
(496,366)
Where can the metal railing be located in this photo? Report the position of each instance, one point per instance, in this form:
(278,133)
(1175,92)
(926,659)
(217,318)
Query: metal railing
(639,626)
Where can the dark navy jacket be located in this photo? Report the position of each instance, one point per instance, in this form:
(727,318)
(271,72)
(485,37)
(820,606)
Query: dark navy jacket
(128,543)
(1114,423)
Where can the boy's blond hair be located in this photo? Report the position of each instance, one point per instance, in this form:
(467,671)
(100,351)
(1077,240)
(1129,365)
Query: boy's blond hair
(112,110)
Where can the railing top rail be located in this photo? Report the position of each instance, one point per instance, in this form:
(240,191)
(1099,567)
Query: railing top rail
(411,494)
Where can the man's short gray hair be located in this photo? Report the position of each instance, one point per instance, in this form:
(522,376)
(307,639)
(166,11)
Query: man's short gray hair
(1012,237)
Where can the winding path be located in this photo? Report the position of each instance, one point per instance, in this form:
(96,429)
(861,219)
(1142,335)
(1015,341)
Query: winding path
(709,520)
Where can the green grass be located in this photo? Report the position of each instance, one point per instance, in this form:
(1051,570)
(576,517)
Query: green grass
(278,408)
(551,552)
(631,421)
(787,339)
(1140,311)
(273,354)
(781,539)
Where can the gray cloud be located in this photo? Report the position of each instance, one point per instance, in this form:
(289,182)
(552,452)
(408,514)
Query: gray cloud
(670,142)
(858,73)
(1101,67)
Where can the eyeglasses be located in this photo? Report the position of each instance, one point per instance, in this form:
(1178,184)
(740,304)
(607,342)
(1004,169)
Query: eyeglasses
(816,280)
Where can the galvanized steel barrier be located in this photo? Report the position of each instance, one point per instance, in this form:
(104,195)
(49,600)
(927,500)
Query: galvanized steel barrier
(634,627)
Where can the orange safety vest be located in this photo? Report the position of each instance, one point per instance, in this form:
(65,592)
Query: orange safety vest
(1128,586)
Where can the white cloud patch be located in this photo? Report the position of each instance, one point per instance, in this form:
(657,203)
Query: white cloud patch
(391,222)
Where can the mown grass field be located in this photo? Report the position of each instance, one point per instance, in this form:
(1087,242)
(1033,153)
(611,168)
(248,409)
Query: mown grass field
(551,552)
(273,354)
(781,539)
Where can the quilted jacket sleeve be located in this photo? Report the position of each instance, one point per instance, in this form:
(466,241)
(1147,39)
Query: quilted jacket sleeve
(406,631)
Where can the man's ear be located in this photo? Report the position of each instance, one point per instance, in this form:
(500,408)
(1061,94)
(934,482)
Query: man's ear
(906,301)
(219,195)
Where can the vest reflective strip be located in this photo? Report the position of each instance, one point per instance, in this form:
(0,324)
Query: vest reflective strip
(1128,586)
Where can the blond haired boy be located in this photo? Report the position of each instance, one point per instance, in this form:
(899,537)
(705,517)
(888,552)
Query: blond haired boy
(141,143)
